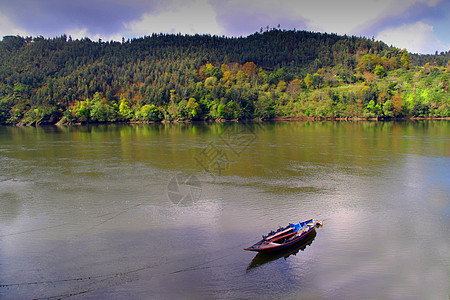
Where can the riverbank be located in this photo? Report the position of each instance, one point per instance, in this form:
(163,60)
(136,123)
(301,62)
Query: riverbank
(281,119)
(141,82)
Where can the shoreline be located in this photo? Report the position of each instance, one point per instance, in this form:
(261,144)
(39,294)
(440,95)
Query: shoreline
(274,119)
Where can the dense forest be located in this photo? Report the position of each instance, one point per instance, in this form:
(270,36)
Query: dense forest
(276,73)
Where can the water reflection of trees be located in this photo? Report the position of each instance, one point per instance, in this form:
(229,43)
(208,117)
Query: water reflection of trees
(11,206)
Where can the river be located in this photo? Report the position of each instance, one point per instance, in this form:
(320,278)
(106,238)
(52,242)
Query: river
(163,211)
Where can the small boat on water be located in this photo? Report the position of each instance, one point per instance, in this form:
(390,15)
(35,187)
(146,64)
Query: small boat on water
(262,258)
(285,237)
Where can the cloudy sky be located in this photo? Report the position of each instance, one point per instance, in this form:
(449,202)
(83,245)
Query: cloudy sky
(421,26)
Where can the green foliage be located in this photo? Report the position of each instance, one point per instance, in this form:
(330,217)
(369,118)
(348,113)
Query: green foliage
(405,60)
(276,73)
(264,106)
(211,81)
(82,110)
(193,108)
(125,113)
(35,116)
(5,107)
(148,113)
(379,71)
(221,111)
(101,110)
(309,81)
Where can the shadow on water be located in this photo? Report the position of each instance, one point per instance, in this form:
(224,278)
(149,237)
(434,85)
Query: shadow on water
(262,258)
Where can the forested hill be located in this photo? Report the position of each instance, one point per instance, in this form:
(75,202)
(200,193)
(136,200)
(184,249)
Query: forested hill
(277,73)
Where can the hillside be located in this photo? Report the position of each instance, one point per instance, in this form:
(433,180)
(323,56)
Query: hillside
(174,77)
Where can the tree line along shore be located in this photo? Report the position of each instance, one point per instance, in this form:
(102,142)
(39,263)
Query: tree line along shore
(276,74)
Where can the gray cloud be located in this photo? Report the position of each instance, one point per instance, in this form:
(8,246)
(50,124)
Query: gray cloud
(243,18)
(51,17)
(243,24)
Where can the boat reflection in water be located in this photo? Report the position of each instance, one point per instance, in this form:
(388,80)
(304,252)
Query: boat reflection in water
(264,257)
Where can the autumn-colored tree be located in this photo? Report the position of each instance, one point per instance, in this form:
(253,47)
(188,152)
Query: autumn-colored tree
(250,69)
(368,77)
(282,86)
(427,68)
(393,62)
(294,87)
(397,105)
(224,67)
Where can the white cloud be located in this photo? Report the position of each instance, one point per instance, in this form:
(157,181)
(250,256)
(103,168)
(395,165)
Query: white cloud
(186,18)
(8,28)
(349,16)
(79,33)
(416,38)
(342,17)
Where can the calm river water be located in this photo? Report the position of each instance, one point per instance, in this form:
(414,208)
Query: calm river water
(163,211)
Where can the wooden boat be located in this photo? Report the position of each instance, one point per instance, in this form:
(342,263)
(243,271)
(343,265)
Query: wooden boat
(285,237)
(262,258)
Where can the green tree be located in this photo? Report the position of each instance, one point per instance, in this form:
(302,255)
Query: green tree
(81,110)
(210,81)
(193,108)
(282,86)
(379,71)
(100,110)
(5,107)
(221,111)
(374,109)
(405,61)
(317,80)
(309,81)
(264,106)
(388,108)
(148,113)
(125,111)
